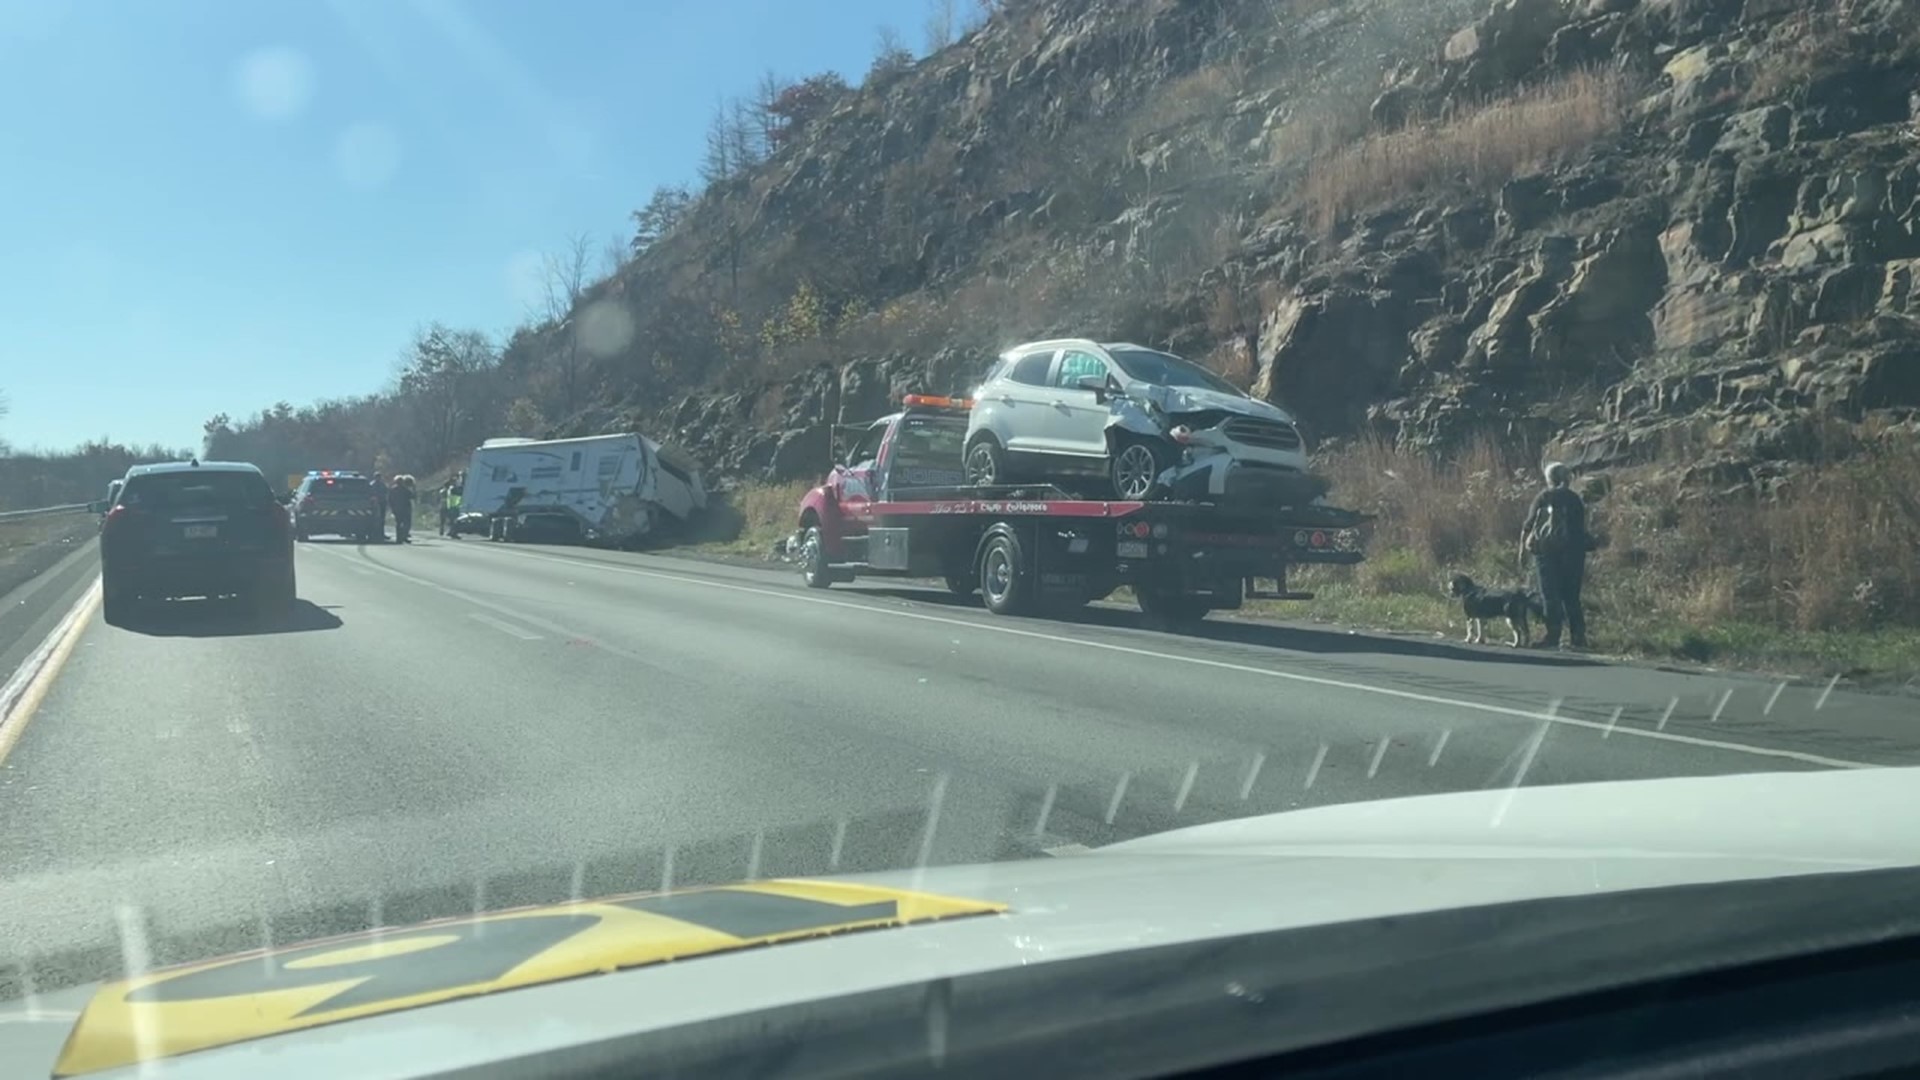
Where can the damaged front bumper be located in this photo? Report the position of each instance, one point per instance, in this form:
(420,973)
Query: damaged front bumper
(1220,477)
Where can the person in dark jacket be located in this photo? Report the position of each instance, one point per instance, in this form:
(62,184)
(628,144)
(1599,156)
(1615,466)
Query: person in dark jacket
(379,485)
(1556,535)
(400,500)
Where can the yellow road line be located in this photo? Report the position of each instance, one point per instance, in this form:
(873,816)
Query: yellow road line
(41,668)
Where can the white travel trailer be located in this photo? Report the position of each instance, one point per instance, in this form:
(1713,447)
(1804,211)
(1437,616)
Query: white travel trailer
(606,489)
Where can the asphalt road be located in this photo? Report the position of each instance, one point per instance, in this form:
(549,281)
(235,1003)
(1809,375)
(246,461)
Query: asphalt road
(459,725)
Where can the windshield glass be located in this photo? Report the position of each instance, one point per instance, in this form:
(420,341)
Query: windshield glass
(927,451)
(1163,369)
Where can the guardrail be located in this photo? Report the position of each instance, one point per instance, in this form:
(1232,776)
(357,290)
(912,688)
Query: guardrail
(71,508)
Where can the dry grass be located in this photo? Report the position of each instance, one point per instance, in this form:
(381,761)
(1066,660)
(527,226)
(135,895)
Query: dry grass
(750,518)
(1482,147)
(1821,577)
(1201,94)
(1809,44)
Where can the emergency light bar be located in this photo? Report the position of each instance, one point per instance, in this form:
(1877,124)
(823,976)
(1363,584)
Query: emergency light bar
(930,401)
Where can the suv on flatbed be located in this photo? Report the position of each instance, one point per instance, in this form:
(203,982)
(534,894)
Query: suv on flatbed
(899,506)
(195,528)
(342,503)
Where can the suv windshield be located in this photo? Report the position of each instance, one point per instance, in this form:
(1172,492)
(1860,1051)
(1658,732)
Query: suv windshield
(160,491)
(1163,369)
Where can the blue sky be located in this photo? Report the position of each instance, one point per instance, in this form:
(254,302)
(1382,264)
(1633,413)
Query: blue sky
(210,205)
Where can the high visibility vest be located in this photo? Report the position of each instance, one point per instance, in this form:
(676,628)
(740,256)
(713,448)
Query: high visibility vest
(453,498)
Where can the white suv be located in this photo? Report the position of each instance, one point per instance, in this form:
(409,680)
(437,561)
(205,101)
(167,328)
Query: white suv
(1152,424)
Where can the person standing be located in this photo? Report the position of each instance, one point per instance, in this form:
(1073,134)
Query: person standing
(379,507)
(1556,535)
(400,499)
(450,507)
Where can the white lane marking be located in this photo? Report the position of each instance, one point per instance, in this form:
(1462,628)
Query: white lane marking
(503,626)
(1119,793)
(1831,683)
(1253,773)
(1434,758)
(839,844)
(1775,696)
(1721,707)
(1313,771)
(1520,774)
(548,625)
(1612,720)
(1380,751)
(1223,665)
(1186,786)
(28,684)
(1046,810)
(1672,704)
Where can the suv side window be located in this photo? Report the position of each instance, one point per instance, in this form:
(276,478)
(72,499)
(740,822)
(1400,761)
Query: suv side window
(1031,369)
(1076,365)
(867,450)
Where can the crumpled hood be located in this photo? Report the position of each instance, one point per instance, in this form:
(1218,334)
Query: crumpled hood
(1183,399)
(757,950)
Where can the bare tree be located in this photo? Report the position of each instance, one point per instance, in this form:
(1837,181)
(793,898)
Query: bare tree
(890,56)
(613,255)
(566,274)
(717,166)
(943,19)
(765,96)
(745,136)
(439,376)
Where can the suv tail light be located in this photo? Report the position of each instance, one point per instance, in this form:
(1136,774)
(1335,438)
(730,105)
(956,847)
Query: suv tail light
(117,521)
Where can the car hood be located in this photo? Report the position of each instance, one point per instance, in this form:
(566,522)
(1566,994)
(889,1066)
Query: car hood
(1301,869)
(1183,399)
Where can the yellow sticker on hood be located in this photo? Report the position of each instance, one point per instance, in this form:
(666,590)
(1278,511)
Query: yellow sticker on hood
(235,999)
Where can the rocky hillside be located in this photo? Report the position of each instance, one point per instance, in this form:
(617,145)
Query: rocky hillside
(1626,231)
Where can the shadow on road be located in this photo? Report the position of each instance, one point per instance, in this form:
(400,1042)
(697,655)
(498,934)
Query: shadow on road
(226,618)
(1268,635)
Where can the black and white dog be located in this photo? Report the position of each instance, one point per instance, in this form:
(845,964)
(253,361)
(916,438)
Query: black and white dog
(1480,604)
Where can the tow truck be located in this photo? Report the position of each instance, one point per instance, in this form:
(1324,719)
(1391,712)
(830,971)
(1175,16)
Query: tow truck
(898,506)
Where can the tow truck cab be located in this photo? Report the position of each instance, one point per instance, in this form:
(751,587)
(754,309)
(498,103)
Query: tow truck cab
(898,506)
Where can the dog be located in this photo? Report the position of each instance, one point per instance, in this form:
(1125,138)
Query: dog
(1480,604)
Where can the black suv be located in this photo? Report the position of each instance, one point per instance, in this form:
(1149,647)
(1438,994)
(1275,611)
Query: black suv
(196,528)
(342,503)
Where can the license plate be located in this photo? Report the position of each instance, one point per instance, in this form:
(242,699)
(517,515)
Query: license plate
(202,532)
(1131,549)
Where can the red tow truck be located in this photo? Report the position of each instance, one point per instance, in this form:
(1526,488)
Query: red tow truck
(899,506)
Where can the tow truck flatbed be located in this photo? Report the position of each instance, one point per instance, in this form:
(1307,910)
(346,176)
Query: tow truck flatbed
(1027,547)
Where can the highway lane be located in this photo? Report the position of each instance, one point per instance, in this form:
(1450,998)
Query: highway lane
(458,725)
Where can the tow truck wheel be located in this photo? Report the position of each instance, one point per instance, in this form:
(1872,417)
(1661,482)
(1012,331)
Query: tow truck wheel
(1136,467)
(986,464)
(1006,589)
(1172,609)
(813,560)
